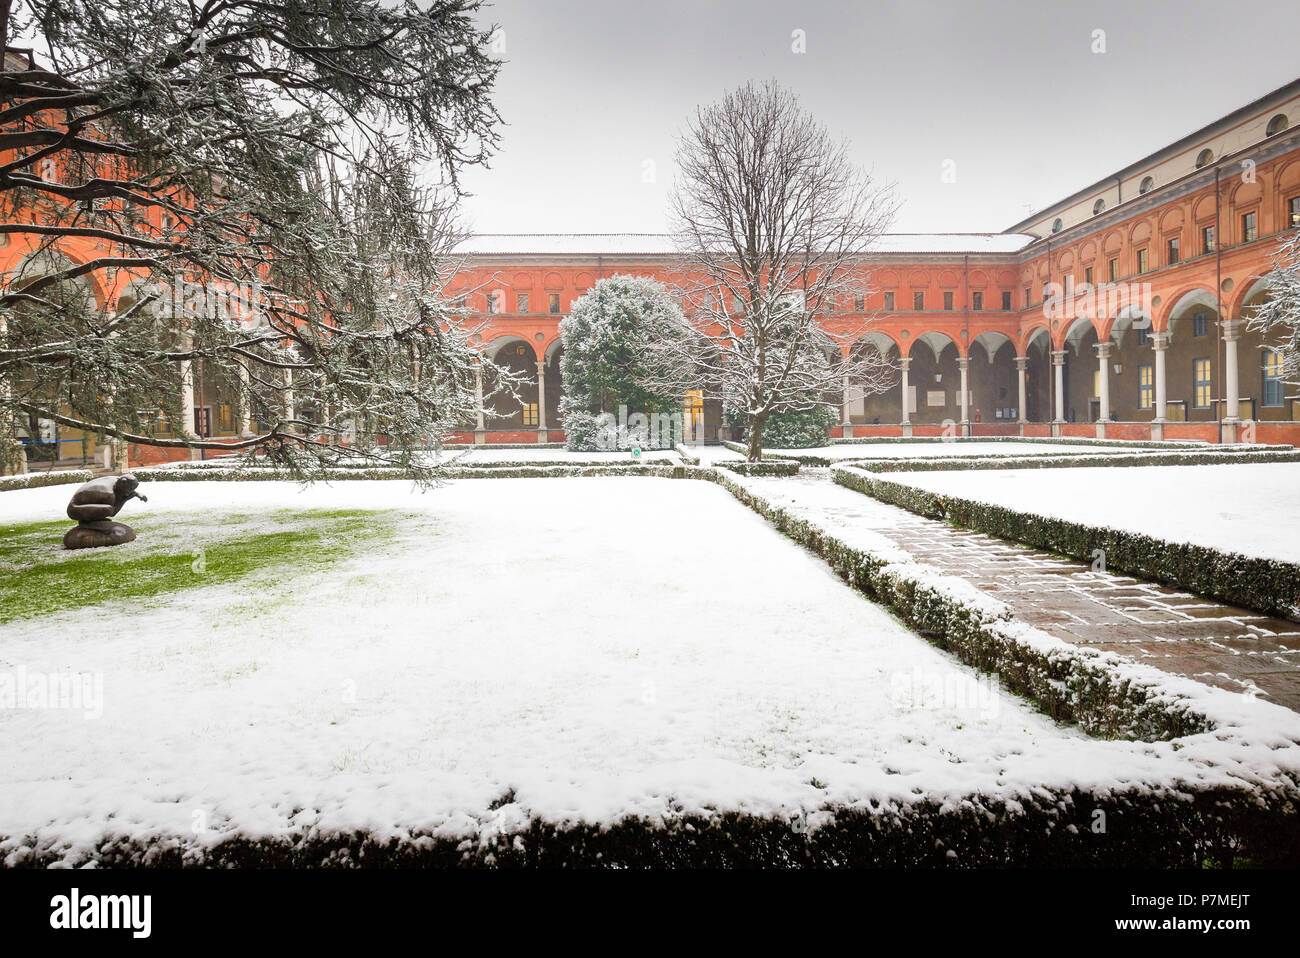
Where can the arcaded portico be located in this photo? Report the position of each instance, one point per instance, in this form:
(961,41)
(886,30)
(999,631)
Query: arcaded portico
(1122,310)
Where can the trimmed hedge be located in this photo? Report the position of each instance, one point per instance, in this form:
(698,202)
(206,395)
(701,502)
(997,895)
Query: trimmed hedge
(1270,586)
(509,471)
(1047,440)
(955,463)
(1038,828)
(768,467)
(35,480)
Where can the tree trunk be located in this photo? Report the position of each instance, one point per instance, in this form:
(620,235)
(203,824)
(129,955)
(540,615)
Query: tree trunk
(755,439)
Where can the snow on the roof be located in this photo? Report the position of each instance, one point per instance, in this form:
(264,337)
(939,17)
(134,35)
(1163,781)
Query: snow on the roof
(658,244)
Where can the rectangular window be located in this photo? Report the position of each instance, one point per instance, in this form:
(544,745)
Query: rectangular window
(1029,298)
(1141,261)
(521,303)
(1247,227)
(553,302)
(1146,387)
(1204,392)
(1207,239)
(889,301)
(1144,335)
(1006,299)
(977,300)
(1069,285)
(859,303)
(1272,378)
(1293,211)
(496,300)
(947,300)
(1201,324)
(918,299)
(1112,268)
(1173,250)
(530,413)
(1087,275)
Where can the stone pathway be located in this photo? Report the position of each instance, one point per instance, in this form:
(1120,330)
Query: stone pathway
(1218,644)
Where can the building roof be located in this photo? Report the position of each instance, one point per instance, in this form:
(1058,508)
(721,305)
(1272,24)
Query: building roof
(660,244)
(1193,138)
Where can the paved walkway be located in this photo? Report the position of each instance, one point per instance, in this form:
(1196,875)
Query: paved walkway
(1215,643)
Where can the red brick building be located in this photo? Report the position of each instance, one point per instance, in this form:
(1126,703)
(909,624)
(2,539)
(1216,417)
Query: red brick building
(1119,311)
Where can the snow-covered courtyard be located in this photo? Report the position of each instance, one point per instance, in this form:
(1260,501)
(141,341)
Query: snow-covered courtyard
(649,648)
(1249,508)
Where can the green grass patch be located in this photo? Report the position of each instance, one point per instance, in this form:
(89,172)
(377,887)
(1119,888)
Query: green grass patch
(39,577)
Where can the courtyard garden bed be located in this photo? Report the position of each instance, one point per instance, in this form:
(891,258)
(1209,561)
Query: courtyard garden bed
(432,698)
(1186,526)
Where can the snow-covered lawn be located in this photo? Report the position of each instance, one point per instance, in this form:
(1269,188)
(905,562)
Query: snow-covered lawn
(1251,508)
(565,650)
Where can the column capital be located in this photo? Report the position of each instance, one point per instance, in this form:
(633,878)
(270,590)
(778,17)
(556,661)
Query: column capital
(1159,341)
(904,363)
(1231,330)
(1103,349)
(1022,363)
(963,362)
(1058,357)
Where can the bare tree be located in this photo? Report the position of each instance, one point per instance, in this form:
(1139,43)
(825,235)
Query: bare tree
(774,222)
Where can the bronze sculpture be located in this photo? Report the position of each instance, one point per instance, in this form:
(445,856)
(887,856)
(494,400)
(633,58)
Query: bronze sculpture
(93,505)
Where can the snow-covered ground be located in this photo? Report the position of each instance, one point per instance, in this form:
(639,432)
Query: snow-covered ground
(627,646)
(1251,508)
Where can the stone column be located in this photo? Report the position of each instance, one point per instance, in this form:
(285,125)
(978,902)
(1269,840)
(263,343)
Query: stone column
(1159,345)
(541,401)
(13,455)
(1231,334)
(963,364)
(185,428)
(1103,379)
(245,406)
(289,411)
(480,424)
(1022,374)
(1058,378)
(905,364)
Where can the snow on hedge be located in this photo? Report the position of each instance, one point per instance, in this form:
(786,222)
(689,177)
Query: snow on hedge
(1248,508)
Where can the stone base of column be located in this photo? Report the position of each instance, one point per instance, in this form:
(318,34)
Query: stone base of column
(846,430)
(1229,430)
(1158,429)
(541,435)
(1020,426)
(480,436)
(965,428)
(907,430)
(1056,428)
(1101,429)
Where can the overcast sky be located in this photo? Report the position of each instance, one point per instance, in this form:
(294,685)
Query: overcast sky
(595,93)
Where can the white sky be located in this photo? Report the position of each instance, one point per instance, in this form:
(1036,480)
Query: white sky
(1009,91)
